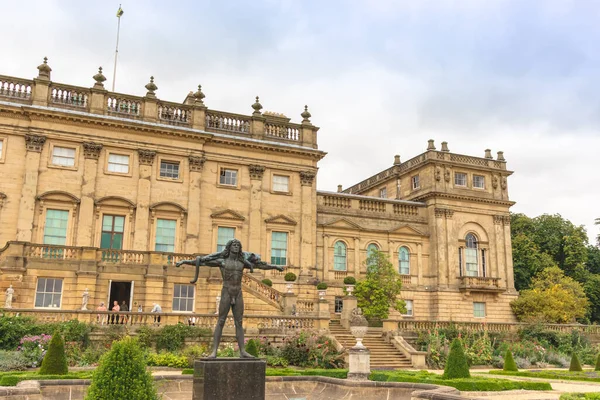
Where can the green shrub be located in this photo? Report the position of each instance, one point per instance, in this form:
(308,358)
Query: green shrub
(193,352)
(456,365)
(167,360)
(9,380)
(146,336)
(122,374)
(187,371)
(252,348)
(509,362)
(322,286)
(289,277)
(349,280)
(12,329)
(597,363)
(171,337)
(580,396)
(274,361)
(13,361)
(553,374)
(92,354)
(575,365)
(267,282)
(55,361)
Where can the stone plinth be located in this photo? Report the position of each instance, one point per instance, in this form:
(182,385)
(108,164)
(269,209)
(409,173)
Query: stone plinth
(360,364)
(229,379)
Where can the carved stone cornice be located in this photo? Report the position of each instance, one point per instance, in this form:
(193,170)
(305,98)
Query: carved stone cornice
(424,197)
(91,150)
(146,157)
(449,214)
(444,213)
(256,171)
(196,163)
(307,178)
(498,219)
(35,142)
(506,220)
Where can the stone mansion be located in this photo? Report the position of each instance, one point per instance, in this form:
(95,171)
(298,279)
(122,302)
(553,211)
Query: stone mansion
(107,191)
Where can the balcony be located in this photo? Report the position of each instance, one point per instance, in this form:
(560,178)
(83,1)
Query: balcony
(480,284)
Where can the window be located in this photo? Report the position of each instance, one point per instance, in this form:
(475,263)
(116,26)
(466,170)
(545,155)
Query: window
(478,182)
(409,308)
(383,193)
(415,182)
(48,293)
(183,298)
(460,179)
(1,148)
(118,163)
(339,256)
(55,230)
(279,248)
(165,235)
(228,177)
(338,305)
(479,310)
(281,183)
(471,255)
(224,235)
(371,249)
(169,169)
(404,261)
(63,156)
(112,232)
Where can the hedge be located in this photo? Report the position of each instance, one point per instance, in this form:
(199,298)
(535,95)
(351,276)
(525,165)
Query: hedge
(552,374)
(575,364)
(11,379)
(55,360)
(509,362)
(580,396)
(456,365)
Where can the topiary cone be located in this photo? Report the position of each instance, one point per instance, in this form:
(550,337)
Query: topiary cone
(122,374)
(456,365)
(252,348)
(509,362)
(597,363)
(55,361)
(575,365)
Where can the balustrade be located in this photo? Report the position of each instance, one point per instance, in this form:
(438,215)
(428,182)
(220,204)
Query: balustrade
(75,97)
(286,131)
(305,306)
(337,201)
(338,275)
(174,114)
(406,279)
(45,251)
(479,282)
(123,106)
(405,209)
(123,256)
(264,290)
(413,326)
(372,205)
(15,88)
(220,121)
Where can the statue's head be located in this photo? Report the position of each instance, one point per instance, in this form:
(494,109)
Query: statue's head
(233,246)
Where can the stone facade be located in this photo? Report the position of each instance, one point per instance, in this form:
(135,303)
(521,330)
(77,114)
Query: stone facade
(106,191)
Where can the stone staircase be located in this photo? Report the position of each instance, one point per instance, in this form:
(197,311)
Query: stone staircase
(383,355)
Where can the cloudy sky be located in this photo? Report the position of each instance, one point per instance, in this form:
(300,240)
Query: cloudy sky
(380,77)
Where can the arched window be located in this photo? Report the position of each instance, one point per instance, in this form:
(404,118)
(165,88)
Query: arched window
(471,261)
(370,250)
(339,256)
(404,261)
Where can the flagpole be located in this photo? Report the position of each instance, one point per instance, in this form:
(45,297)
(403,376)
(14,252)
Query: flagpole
(119,13)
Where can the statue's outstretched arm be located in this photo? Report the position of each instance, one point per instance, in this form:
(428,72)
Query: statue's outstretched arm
(265,266)
(208,261)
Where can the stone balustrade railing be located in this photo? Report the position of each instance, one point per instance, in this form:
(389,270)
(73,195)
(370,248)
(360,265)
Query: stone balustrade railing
(271,323)
(479,282)
(192,113)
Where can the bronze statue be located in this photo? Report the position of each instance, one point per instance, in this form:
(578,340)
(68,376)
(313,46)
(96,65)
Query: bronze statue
(231,262)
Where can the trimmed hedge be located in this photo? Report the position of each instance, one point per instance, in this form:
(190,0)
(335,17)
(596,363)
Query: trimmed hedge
(580,396)
(575,365)
(11,379)
(509,362)
(252,348)
(597,364)
(267,282)
(552,374)
(456,366)
(474,384)
(55,360)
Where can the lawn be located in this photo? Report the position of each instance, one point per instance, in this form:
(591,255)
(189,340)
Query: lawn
(589,375)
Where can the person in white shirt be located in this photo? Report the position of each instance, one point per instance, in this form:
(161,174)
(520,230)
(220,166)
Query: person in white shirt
(156,309)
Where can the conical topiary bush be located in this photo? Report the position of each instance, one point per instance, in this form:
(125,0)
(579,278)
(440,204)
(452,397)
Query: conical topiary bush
(252,348)
(55,360)
(509,362)
(597,364)
(456,365)
(122,374)
(575,365)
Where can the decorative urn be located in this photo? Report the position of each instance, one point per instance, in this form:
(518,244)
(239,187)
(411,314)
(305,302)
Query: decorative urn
(358,327)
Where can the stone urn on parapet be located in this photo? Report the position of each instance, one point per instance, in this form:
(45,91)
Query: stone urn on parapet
(359,356)
(358,327)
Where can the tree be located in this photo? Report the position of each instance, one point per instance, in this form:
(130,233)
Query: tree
(55,361)
(380,289)
(528,260)
(122,374)
(592,291)
(553,298)
(456,365)
(509,362)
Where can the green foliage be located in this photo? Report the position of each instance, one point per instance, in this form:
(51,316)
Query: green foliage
(349,280)
(528,260)
(13,361)
(13,378)
(55,361)
(456,366)
(553,298)
(146,336)
(474,384)
(193,352)
(274,361)
(322,286)
(575,365)
(509,362)
(252,348)
(289,277)
(580,396)
(122,374)
(12,329)
(380,289)
(267,282)
(308,349)
(591,287)
(597,363)
(167,360)
(172,337)
(553,374)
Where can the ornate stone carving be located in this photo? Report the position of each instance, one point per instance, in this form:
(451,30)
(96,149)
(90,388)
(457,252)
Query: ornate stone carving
(35,142)
(440,212)
(447,175)
(307,178)
(495,182)
(256,171)
(438,174)
(146,157)
(449,214)
(498,219)
(196,163)
(91,150)
(506,219)
(503,184)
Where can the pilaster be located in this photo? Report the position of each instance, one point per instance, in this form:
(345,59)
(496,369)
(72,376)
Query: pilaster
(356,270)
(307,221)
(508,264)
(255,223)
(91,152)
(196,165)
(34,145)
(141,235)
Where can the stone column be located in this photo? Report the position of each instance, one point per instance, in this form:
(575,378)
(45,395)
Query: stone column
(289,303)
(308,229)
(196,164)
(34,145)
(85,234)
(255,222)
(141,236)
(450,248)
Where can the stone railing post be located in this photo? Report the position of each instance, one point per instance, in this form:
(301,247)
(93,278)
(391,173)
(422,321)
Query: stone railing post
(389,325)
(308,130)
(196,100)
(257,121)
(289,303)
(98,98)
(323,314)
(349,304)
(41,85)
(14,257)
(150,102)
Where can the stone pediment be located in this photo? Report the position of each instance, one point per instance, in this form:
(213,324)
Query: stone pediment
(59,195)
(407,229)
(168,206)
(281,219)
(228,214)
(342,223)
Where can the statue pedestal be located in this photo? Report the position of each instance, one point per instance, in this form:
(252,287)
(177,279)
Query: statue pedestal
(360,364)
(229,379)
